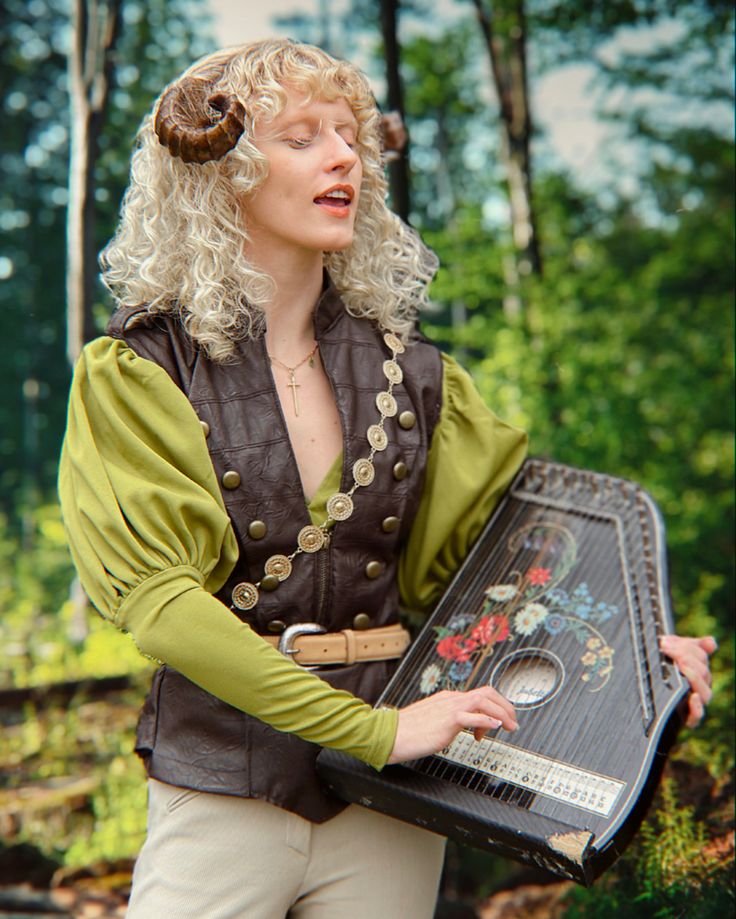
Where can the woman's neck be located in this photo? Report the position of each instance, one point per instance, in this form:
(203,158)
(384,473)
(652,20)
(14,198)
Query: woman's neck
(290,312)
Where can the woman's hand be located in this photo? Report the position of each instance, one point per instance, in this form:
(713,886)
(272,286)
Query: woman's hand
(429,725)
(690,656)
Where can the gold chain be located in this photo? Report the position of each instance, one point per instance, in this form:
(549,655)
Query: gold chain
(292,384)
(340,505)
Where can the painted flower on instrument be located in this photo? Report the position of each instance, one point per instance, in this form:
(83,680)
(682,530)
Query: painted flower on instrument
(598,661)
(460,621)
(430,679)
(455,648)
(491,629)
(539,576)
(580,603)
(527,619)
(554,623)
(460,671)
(583,601)
(501,593)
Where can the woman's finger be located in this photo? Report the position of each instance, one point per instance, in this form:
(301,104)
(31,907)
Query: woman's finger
(696,710)
(479,722)
(698,683)
(488,695)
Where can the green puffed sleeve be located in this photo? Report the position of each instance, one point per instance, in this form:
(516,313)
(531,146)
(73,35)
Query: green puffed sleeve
(152,541)
(472,459)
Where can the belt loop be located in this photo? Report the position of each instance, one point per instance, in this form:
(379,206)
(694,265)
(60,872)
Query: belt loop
(349,645)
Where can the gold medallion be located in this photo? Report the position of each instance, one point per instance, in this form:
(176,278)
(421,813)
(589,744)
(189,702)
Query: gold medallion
(363,471)
(279,566)
(340,506)
(377,437)
(310,539)
(392,371)
(386,404)
(394,343)
(245,595)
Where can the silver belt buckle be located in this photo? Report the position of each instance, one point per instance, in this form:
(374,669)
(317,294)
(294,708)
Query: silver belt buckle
(292,632)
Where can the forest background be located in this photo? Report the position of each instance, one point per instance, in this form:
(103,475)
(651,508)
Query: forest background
(594,308)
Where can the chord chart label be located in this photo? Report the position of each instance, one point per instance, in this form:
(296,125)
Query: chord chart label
(541,774)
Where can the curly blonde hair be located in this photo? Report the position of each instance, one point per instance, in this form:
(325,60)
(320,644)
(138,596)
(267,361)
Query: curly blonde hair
(179,246)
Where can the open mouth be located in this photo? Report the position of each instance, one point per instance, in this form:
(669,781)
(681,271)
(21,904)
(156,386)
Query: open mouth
(339,198)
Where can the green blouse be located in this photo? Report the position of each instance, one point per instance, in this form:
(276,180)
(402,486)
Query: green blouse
(152,541)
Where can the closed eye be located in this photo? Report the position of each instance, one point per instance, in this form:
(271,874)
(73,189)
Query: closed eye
(299,142)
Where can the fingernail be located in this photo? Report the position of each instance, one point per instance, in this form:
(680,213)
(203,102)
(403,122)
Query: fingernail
(495,723)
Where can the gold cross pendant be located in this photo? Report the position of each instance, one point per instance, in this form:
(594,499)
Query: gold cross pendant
(293,386)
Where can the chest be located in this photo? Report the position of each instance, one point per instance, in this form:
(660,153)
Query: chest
(310,416)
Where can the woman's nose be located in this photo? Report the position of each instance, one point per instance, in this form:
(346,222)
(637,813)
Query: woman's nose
(341,155)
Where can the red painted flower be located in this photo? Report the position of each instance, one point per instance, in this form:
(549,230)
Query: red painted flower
(454,648)
(491,629)
(539,576)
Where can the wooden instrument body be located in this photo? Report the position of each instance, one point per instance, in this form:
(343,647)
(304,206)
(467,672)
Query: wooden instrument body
(560,606)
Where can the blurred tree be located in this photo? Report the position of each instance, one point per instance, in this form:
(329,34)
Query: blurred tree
(95,31)
(158,38)
(504,29)
(398,167)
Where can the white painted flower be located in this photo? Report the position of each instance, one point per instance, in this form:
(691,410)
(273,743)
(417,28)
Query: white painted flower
(527,619)
(500,593)
(430,679)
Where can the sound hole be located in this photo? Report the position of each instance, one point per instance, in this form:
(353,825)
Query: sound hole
(528,678)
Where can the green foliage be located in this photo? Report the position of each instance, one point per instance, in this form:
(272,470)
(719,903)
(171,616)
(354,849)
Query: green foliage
(668,872)
(84,793)
(622,358)
(671,846)
(46,633)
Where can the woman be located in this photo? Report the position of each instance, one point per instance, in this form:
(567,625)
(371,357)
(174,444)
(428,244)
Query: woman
(262,459)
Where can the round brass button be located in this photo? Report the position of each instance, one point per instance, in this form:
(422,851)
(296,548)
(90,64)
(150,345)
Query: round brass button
(269,582)
(205,428)
(390,524)
(230,479)
(276,626)
(257,529)
(407,420)
(401,470)
(361,621)
(373,570)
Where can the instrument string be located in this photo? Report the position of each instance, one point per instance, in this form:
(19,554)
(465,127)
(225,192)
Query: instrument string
(466,601)
(467,598)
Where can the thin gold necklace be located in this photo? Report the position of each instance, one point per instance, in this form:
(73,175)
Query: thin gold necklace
(292,384)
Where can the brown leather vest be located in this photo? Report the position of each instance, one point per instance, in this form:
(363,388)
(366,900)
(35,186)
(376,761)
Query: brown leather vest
(188,737)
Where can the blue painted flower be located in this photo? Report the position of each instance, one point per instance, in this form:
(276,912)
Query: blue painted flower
(554,623)
(558,597)
(460,621)
(460,671)
(583,610)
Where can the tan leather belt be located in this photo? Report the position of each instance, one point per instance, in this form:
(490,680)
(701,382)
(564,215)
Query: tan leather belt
(309,645)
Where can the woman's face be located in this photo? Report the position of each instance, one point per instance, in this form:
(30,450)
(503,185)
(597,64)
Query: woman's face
(309,199)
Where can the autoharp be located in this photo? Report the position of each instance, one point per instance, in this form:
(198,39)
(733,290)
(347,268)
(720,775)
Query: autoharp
(559,606)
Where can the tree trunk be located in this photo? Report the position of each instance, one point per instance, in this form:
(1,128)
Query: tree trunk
(505,35)
(399,167)
(96,26)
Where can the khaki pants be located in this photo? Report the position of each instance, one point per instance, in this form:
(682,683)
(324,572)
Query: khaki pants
(219,857)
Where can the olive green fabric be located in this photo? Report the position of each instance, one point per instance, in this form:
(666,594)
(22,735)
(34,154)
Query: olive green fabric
(152,541)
